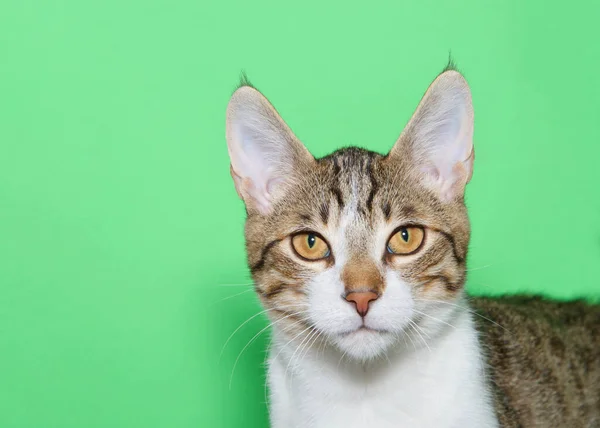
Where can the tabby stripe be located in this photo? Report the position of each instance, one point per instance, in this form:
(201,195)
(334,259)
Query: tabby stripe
(336,189)
(450,238)
(374,184)
(291,314)
(324,212)
(261,263)
(338,196)
(336,166)
(387,210)
(274,291)
(450,286)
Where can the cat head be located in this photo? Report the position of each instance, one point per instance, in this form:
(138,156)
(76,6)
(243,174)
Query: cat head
(360,248)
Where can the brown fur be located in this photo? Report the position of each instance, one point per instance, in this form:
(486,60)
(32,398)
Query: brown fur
(356,275)
(543,359)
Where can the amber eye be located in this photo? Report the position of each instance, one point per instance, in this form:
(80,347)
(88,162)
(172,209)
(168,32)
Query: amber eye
(406,240)
(310,246)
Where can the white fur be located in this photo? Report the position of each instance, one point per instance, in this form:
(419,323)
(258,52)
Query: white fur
(439,386)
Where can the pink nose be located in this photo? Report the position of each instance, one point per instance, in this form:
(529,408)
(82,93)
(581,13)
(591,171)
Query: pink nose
(361,300)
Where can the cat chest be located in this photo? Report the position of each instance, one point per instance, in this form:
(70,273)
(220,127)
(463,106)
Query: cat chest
(407,405)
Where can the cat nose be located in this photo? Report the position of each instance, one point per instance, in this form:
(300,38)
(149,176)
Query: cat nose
(361,300)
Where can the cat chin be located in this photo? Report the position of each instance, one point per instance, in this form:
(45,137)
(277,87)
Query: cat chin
(365,344)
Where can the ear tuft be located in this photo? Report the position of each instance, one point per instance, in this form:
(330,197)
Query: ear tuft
(244,81)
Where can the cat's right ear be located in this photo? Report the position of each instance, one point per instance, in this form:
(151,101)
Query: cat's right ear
(265,154)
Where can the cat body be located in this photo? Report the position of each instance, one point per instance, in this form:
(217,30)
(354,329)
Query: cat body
(542,359)
(360,261)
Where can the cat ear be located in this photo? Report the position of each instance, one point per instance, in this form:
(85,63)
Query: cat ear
(439,136)
(265,154)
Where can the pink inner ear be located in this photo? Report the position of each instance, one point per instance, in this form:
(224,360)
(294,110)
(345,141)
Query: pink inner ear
(451,183)
(432,171)
(237,181)
(250,194)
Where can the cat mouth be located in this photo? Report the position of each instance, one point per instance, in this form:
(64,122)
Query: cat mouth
(363,328)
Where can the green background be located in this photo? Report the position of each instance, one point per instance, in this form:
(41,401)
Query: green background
(121,247)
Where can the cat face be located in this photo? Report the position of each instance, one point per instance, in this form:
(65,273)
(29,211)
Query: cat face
(357,249)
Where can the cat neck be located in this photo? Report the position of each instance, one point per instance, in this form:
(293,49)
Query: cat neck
(414,379)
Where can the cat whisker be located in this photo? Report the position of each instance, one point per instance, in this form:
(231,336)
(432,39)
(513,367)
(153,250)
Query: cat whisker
(247,321)
(253,339)
(315,340)
(466,309)
(293,338)
(341,358)
(410,338)
(434,318)
(307,339)
(237,329)
(265,364)
(323,346)
(267,354)
(308,348)
(479,268)
(234,285)
(231,297)
(388,359)
(413,326)
(295,349)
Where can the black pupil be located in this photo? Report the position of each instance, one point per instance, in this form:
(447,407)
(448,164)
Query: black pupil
(311,240)
(404,234)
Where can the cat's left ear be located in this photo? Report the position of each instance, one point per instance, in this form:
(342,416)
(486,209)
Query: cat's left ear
(266,157)
(438,139)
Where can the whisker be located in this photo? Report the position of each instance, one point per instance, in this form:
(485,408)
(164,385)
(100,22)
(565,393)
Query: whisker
(413,325)
(403,337)
(291,340)
(479,268)
(252,340)
(235,285)
(307,339)
(387,358)
(466,309)
(311,345)
(434,318)
(422,330)
(341,358)
(247,321)
(410,338)
(231,297)
(265,364)
(322,347)
(237,329)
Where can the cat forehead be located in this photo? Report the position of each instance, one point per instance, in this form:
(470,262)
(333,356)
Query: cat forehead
(361,178)
(358,185)
(352,175)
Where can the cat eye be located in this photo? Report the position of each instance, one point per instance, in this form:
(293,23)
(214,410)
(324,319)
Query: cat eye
(406,240)
(310,246)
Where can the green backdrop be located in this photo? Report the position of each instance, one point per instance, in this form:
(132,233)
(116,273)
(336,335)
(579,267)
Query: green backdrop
(122,269)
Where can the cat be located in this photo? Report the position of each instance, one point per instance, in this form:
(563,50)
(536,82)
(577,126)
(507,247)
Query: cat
(360,262)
